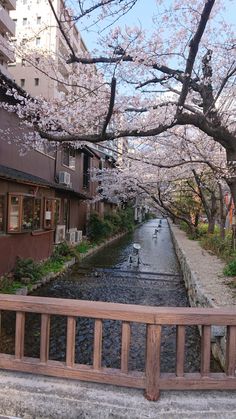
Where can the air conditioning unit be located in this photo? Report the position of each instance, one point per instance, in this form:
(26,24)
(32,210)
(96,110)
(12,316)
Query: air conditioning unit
(70,237)
(64,178)
(60,234)
(78,236)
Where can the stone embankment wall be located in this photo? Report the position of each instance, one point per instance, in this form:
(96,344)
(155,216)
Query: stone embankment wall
(205,284)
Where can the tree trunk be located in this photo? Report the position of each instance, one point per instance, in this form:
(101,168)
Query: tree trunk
(223,213)
(211,226)
(213,212)
(231,160)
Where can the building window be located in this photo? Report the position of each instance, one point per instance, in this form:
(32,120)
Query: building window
(2,201)
(68,158)
(86,167)
(23,62)
(46,148)
(24,213)
(22,82)
(37,60)
(37,41)
(27,213)
(51,213)
(14,214)
(38,20)
(24,21)
(37,220)
(36,82)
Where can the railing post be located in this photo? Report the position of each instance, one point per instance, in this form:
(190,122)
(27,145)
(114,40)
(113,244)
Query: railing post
(205,350)
(125,347)
(70,342)
(231,351)
(44,338)
(97,350)
(20,335)
(153,357)
(180,343)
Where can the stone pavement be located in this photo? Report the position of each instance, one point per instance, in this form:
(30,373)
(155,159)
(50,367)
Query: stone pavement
(31,396)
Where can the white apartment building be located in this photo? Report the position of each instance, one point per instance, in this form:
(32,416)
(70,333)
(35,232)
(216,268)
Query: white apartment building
(7,27)
(37,27)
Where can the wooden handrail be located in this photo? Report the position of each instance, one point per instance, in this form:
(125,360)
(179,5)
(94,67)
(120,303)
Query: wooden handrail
(152,380)
(114,311)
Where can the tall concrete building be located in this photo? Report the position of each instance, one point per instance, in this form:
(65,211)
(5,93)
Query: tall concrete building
(7,27)
(37,27)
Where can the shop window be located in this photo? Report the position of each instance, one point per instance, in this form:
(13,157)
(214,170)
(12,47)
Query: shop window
(27,213)
(37,214)
(24,213)
(1,214)
(14,212)
(52,213)
(68,158)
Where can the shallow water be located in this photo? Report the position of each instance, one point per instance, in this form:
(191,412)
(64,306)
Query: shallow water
(107,276)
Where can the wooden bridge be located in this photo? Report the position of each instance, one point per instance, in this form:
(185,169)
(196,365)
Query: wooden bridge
(152,380)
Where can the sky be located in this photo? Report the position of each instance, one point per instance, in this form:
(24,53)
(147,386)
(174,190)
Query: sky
(141,15)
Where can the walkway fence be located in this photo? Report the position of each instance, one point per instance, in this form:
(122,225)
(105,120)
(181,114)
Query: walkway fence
(152,380)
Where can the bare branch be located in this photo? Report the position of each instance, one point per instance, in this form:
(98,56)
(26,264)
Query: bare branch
(111,106)
(194,45)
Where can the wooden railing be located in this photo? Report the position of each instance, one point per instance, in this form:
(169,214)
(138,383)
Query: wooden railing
(152,380)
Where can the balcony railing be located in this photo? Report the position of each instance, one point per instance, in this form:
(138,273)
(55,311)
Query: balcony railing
(152,380)
(6,50)
(11,4)
(6,23)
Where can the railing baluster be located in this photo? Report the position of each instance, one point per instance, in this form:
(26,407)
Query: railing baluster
(70,342)
(153,358)
(97,349)
(231,351)
(125,347)
(44,338)
(20,335)
(205,350)
(180,342)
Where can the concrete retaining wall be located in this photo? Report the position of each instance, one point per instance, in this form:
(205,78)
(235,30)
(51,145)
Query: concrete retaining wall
(205,284)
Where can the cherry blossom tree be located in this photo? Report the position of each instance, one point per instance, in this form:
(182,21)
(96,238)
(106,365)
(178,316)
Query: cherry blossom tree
(184,176)
(144,86)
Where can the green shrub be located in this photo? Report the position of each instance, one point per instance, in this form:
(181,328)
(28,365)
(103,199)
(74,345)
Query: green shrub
(27,268)
(98,229)
(113,223)
(82,247)
(202,230)
(217,245)
(184,226)
(230,268)
(62,251)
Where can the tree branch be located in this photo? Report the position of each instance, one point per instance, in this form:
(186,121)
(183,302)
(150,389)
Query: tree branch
(194,45)
(111,106)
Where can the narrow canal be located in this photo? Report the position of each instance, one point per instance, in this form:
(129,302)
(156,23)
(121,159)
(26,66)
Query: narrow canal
(108,276)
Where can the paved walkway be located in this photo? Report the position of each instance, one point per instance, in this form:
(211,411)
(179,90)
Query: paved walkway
(208,269)
(26,396)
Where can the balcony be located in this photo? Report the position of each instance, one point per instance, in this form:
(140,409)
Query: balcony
(10,4)
(5,71)
(6,50)
(62,68)
(6,23)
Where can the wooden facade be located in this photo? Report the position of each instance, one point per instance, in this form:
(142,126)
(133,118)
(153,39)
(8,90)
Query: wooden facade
(33,200)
